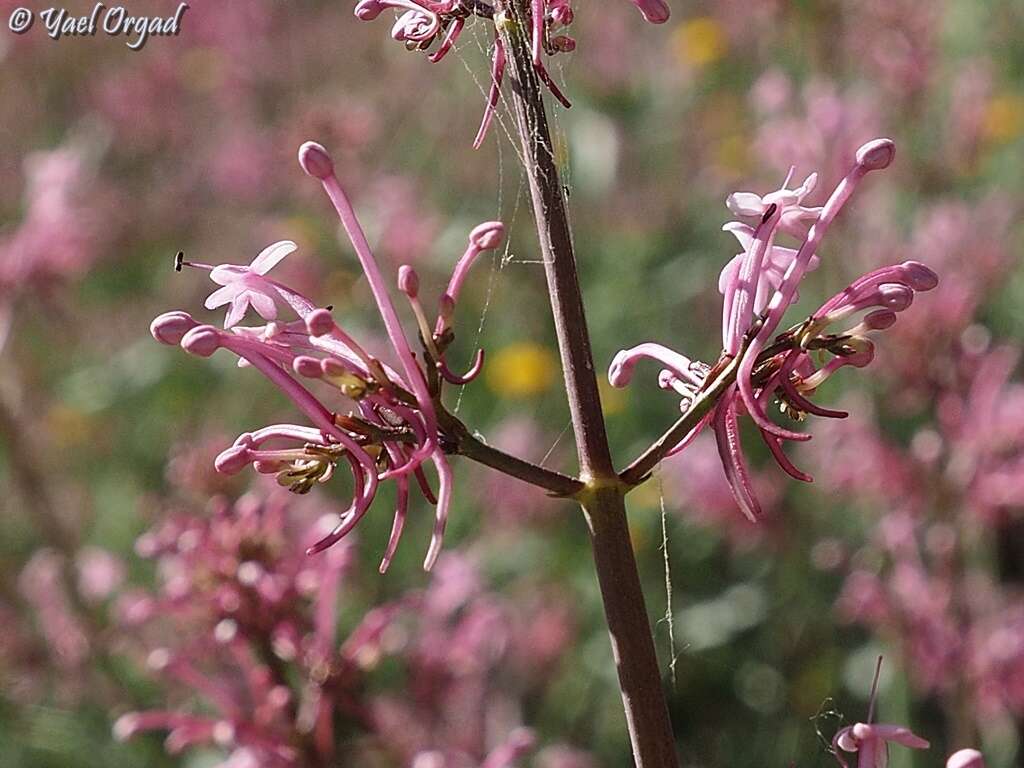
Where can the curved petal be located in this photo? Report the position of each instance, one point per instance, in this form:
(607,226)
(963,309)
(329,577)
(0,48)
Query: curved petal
(222,296)
(225,274)
(745,204)
(899,734)
(262,303)
(271,255)
(236,311)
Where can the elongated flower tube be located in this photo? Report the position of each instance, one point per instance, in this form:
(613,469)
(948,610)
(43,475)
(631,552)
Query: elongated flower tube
(757,287)
(390,429)
(423,23)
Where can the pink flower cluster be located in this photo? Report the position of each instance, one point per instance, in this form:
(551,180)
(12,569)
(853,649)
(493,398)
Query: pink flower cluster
(758,286)
(392,429)
(246,624)
(421,23)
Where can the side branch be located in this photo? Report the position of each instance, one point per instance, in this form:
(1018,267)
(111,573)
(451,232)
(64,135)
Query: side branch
(640,468)
(464,443)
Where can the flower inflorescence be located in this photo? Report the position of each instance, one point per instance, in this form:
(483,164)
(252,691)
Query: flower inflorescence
(390,431)
(422,23)
(758,286)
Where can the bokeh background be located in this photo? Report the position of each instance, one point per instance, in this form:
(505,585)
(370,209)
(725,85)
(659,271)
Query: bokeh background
(909,543)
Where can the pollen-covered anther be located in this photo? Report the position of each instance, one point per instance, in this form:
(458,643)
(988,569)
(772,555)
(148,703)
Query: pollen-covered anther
(349,383)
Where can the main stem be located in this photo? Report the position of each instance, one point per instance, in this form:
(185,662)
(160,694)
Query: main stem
(602,497)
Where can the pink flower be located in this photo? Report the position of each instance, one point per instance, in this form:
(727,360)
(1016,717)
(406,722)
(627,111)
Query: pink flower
(391,429)
(248,286)
(758,287)
(425,22)
(966,758)
(869,742)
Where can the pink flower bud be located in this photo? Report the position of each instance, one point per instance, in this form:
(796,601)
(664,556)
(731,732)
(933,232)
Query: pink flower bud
(128,725)
(319,322)
(408,281)
(620,372)
(654,11)
(232,460)
(315,161)
(895,296)
(170,327)
(880,319)
(966,758)
(487,235)
(368,10)
(203,341)
(562,14)
(919,277)
(876,154)
(307,366)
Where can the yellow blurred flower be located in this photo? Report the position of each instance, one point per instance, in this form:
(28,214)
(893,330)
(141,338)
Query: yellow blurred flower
(613,400)
(68,427)
(521,370)
(1004,118)
(699,42)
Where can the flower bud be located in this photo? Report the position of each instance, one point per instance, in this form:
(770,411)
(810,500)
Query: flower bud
(562,15)
(408,281)
(232,460)
(879,320)
(620,372)
(895,296)
(918,276)
(307,366)
(487,235)
(368,10)
(202,341)
(319,322)
(654,11)
(314,158)
(966,758)
(128,725)
(170,327)
(876,154)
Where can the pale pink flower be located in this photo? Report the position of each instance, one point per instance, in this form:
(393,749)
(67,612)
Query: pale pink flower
(245,286)
(750,320)
(392,430)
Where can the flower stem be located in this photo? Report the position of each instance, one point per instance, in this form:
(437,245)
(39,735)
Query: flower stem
(602,497)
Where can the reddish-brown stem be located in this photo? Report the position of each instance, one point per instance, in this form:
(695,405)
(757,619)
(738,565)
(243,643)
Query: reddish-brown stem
(602,496)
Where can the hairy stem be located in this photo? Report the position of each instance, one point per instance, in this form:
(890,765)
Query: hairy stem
(602,497)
